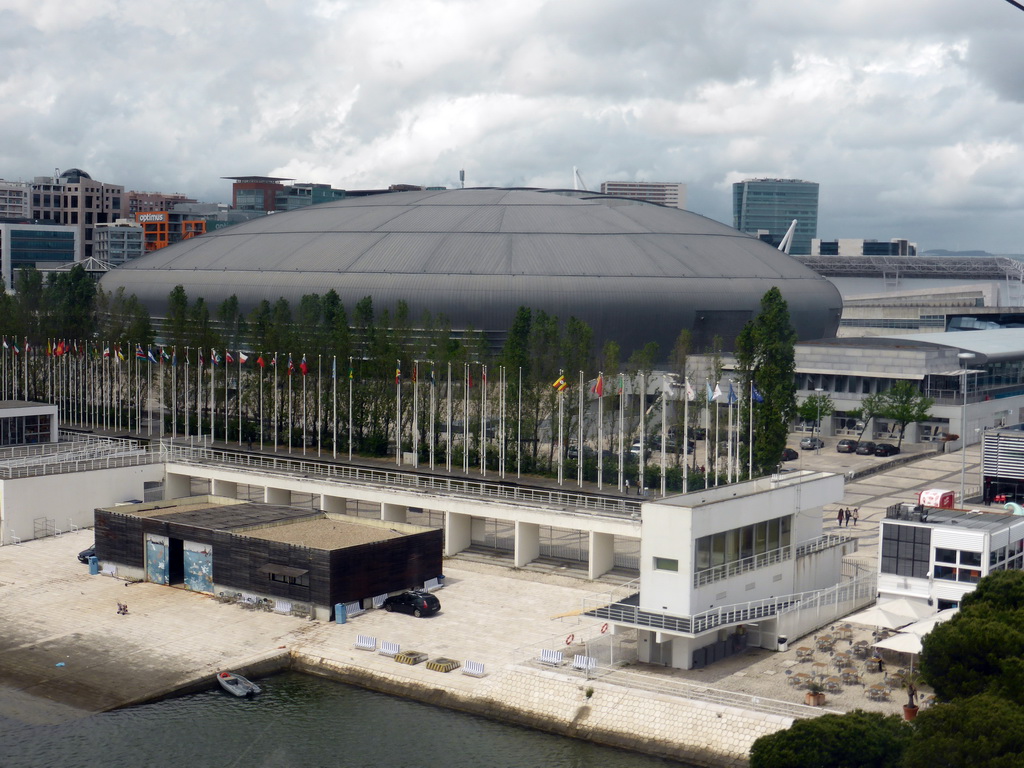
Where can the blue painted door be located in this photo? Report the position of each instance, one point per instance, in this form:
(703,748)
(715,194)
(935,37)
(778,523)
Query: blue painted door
(198,567)
(156,560)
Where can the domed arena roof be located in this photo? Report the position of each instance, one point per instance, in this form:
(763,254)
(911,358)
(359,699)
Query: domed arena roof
(635,272)
(74,175)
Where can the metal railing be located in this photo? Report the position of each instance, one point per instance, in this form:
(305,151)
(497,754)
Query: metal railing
(826,541)
(720,572)
(76,455)
(399,480)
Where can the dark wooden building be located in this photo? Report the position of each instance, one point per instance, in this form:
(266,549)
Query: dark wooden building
(211,544)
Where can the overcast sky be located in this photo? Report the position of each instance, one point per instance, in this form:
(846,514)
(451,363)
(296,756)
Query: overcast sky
(908,113)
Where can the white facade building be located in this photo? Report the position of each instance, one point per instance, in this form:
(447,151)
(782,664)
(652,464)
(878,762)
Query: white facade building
(15,198)
(670,194)
(118,242)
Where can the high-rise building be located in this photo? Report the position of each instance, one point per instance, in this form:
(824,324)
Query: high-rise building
(767,207)
(141,202)
(75,199)
(118,242)
(268,193)
(14,200)
(162,228)
(35,245)
(664,193)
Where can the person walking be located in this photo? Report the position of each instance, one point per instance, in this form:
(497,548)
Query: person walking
(856,515)
(849,514)
(840,516)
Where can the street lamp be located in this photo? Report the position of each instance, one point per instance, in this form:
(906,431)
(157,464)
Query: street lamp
(817,445)
(964,357)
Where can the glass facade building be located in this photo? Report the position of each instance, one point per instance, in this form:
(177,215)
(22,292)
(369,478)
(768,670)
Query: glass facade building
(770,205)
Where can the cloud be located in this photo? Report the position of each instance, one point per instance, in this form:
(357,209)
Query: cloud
(908,114)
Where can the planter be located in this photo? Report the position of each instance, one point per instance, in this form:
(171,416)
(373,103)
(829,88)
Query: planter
(909,713)
(812,699)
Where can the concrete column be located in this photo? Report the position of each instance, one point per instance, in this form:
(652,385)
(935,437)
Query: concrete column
(458,530)
(336,504)
(277,495)
(177,486)
(602,554)
(224,488)
(527,543)
(393,513)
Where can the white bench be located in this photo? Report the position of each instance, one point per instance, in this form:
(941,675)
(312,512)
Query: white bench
(366,643)
(378,601)
(389,649)
(473,669)
(551,658)
(354,609)
(583,663)
(432,584)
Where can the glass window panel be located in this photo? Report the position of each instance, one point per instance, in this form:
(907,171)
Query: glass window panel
(945,555)
(970,558)
(665,564)
(718,549)
(945,572)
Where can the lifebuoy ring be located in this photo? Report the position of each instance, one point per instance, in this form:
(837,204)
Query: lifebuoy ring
(569,639)
(225,674)
(604,627)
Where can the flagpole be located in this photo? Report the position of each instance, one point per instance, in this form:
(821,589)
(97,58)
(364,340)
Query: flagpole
(448,399)
(579,438)
(622,427)
(502,399)
(334,406)
(277,402)
(465,423)
(561,437)
(350,374)
(728,404)
(433,412)
(213,396)
(600,430)
(291,399)
(398,413)
(185,389)
(483,420)
(717,450)
(750,439)
(238,397)
(707,435)
(686,434)
(302,370)
(415,413)
(519,428)
(319,404)
(643,431)
(664,429)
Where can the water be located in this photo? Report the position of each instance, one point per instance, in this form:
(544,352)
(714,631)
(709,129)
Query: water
(297,721)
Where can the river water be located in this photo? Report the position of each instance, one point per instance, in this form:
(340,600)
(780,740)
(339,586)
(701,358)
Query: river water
(298,721)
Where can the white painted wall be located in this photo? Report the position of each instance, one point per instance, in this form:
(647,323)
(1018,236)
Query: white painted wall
(68,498)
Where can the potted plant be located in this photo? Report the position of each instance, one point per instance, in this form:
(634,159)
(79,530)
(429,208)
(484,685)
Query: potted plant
(815,695)
(910,683)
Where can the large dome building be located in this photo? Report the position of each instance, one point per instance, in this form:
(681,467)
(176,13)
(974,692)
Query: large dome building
(635,272)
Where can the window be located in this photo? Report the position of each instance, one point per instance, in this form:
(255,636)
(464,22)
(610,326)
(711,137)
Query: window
(906,550)
(970,558)
(945,555)
(665,564)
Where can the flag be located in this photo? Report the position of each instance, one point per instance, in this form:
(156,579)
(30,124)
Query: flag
(598,388)
(261,362)
(273,360)
(242,357)
(152,357)
(718,392)
(622,384)
(414,367)
(140,353)
(334,367)
(228,356)
(49,349)
(6,346)
(470,380)
(711,395)
(690,394)
(432,382)
(164,355)
(201,360)
(560,384)
(174,358)
(117,351)
(60,349)
(215,359)
(16,350)
(398,372)
(754,393)
(351,372)
(732,395)
(303,366)
(291,366)
(106,351)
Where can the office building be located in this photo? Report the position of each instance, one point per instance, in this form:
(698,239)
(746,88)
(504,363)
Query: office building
(662,193)
(75,199)
(118,242)
(35,245)
(860,247)
(163,228)
(767,207)
(14,200)
(143,202)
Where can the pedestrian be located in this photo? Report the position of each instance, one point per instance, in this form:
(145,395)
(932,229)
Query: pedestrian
(627,485)
(856,515)
(849,514)
(839,517)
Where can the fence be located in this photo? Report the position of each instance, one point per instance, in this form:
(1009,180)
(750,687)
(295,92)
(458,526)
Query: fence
(827,605)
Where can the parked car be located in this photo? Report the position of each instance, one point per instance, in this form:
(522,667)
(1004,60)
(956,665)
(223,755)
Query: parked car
(886,449)
(417,602)
(811,443)
(788,454)
(866,448)
(846,446)
(85,554)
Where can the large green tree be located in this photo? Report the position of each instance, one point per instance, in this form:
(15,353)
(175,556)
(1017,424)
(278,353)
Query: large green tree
(905,404)
(816,407)
(855,740)
(765,356)
(982,732)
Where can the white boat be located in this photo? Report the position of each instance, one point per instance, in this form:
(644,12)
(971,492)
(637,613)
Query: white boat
(237,685)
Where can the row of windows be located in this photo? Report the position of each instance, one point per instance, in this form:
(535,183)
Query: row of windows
(906,550)
(742,543)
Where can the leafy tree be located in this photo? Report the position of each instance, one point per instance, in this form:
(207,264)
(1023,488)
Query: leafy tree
(177,317)
(855,740)
(70,302)
(904,404)
(870,407)
(982,731)
(816,407)
(765,356)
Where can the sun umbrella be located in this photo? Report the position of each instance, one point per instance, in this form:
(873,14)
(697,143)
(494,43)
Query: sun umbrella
(904,642)
(876,616)
(904,607)
(924,626)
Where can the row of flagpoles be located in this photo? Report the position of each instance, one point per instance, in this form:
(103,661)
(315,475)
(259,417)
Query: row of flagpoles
(109,388)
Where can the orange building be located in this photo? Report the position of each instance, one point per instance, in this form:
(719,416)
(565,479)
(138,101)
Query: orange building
(162,228)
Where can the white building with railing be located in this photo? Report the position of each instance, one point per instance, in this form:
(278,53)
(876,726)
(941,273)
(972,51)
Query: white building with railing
(719,568)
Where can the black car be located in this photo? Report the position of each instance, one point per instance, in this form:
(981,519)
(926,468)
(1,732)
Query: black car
(788,454)
(417,602)
(886,449)
(867,448)
(846,446)
(85,554)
